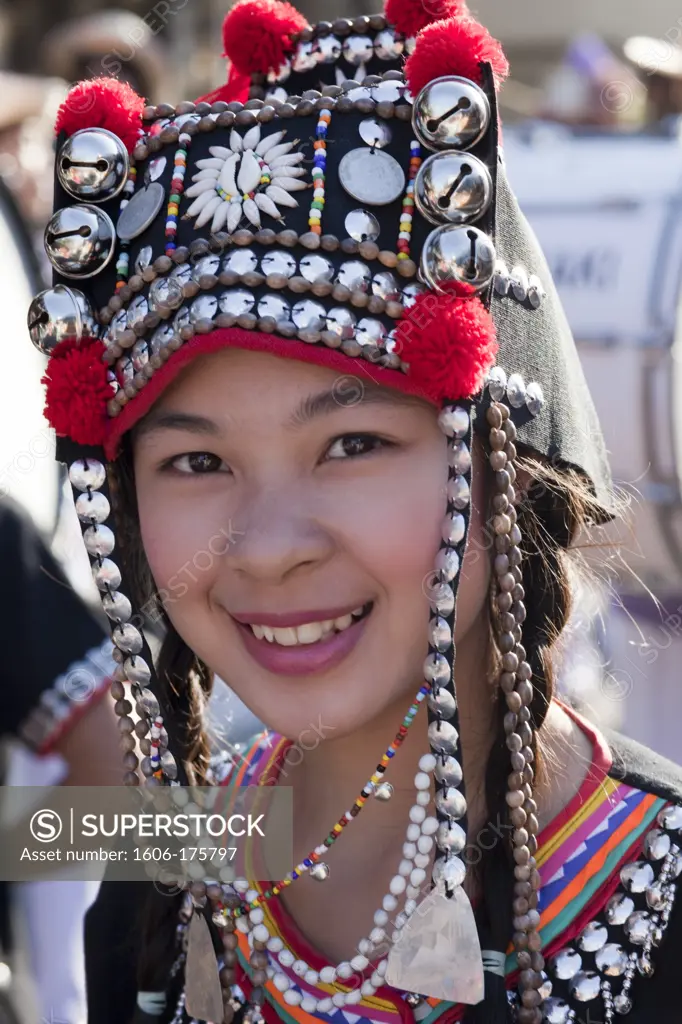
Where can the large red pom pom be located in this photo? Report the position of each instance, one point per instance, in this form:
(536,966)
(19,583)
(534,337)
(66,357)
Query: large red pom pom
(457,46)
(449,343)
(257,34)
(77,391)
(103,103)
(411,16)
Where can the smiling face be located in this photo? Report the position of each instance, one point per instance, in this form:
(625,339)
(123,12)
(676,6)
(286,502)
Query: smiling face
(290,519)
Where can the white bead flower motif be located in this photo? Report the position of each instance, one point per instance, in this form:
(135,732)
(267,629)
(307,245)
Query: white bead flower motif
(252,177)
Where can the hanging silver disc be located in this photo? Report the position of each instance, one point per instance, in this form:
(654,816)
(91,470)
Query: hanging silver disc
(141,211)
(372,176)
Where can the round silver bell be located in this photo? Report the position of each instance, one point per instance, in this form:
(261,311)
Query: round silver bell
(80,241)
(450,113)
(93,165)
(57,314)
(453,188)
(461,256)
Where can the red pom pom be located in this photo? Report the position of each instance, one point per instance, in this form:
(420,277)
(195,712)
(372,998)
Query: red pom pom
(77,391)
(454,47)
(257,34)
(449,343)
(103,103)
(411,16)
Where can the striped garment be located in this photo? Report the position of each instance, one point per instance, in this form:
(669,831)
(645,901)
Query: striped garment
(579,857)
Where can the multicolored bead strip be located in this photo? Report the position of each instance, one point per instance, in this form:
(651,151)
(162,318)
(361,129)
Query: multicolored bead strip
(123,261)
(319,173)
(177,188)
(368,789)
(407,213)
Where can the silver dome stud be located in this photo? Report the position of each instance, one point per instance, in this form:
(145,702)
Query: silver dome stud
(93,165)
(80,241)
(58,314)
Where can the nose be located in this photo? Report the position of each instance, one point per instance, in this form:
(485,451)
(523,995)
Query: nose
(280,536)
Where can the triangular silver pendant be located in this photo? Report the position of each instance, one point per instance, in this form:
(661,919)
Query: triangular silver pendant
(203,995)
(438,953)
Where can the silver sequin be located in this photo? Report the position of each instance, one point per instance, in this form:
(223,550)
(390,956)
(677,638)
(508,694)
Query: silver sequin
(87,473)
(411,292)
(166,293)
(443,737)
(342,322)
(454,421)
(137,671)
(278,261)
(93,507)
(370,332)
(375,133)
(566,964)
(309,315)
(209,264)
(144,258)
(657,845)
(358,50)
(241,261)
(671,818)
(274,306)
(305,58)
(535,399)
(536,291)
(137,310)
(99,540)
(451,836)
(516,391)
(236,301)
(389,92)
(593,937)
(328,49)
(459,457)
(437,669)
(611,960)
(459,492)
(447,564)
(385,285)
(128,639)
(497,383)
(388,45)
(161,336)
(450,870)
(638,927)
(556,1011)
(585,986)
(139,354)
(454,528)
(317,269)
(354,275)
(448,770)
(637,877)
(181,319)
(182,272)
(619,908)
(362,226)
(518,282)
(117,606)
(442,598)
(204,307)
(440,634)
(443,702)
(450,801)
(106,574)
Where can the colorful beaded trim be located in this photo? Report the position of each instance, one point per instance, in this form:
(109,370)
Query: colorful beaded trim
(177,188)
(408,203)
(122,264)
(319,172)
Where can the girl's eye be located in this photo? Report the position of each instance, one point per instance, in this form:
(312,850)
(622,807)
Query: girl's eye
(197,462)
(353,445)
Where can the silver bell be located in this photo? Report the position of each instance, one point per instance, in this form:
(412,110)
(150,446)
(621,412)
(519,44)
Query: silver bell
(451,113)
(320,872)
(93,165)
(461,256)
(454,188)
(57,314)
(80,241)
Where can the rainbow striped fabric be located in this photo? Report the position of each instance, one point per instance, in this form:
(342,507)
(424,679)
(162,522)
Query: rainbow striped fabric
(579,857)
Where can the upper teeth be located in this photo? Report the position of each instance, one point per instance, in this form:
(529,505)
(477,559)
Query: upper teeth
(308,633)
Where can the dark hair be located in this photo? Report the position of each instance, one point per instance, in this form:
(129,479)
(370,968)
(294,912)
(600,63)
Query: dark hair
(555,504)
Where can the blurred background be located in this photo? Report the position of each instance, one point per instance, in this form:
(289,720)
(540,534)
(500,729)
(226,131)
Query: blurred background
(593,145)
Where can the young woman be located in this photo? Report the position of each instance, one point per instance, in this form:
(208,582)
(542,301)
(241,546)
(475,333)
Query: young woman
(332,395)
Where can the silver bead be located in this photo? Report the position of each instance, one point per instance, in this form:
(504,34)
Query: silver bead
(106,575)
(637,877)
(57,314)
(447,564)
(462,256)
(342,322)
(274,306)
(451,113)
(370,332)
(656,897)
(309,315)
(384,791)
(117,606)
(93,165)
(450,870)
(354,275)
(451,836)
(459,492)
(622,1003)
(454,528)
(137,670)
(87,473)
(443,737)
(375,133)
(128,639)
(497,383)
(385,285)
(80,241)
(440,634)
(459,457)
(411,292)
(448,771)
(99,541)
(450,801)
(535,399)
(233,300)
(566,964)
(148,703)
(536,291)
(671,818)
(243,261)
(443,702)
(619,908)
(388,45)
(93,508)
(358,50)
(454,421)
(137,310)
(317,269)
(320,871)
(657,845)
(516,391)
(209,264)
(413,1000)
(545,989)
(585,986)
(166,293)
(611,960)
(638,927)
(442,599)
(328,49)
(453,188)
(362,226)
(593,937)
(556,1011)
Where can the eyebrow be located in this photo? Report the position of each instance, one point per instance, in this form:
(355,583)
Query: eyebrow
(326,402)
(170,420)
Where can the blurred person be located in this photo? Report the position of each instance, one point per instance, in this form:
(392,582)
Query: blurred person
(56,729)
(659,64)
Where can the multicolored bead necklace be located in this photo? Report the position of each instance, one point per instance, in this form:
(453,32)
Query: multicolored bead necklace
(177,188)
(319,173)
(408,203)
(122,264)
